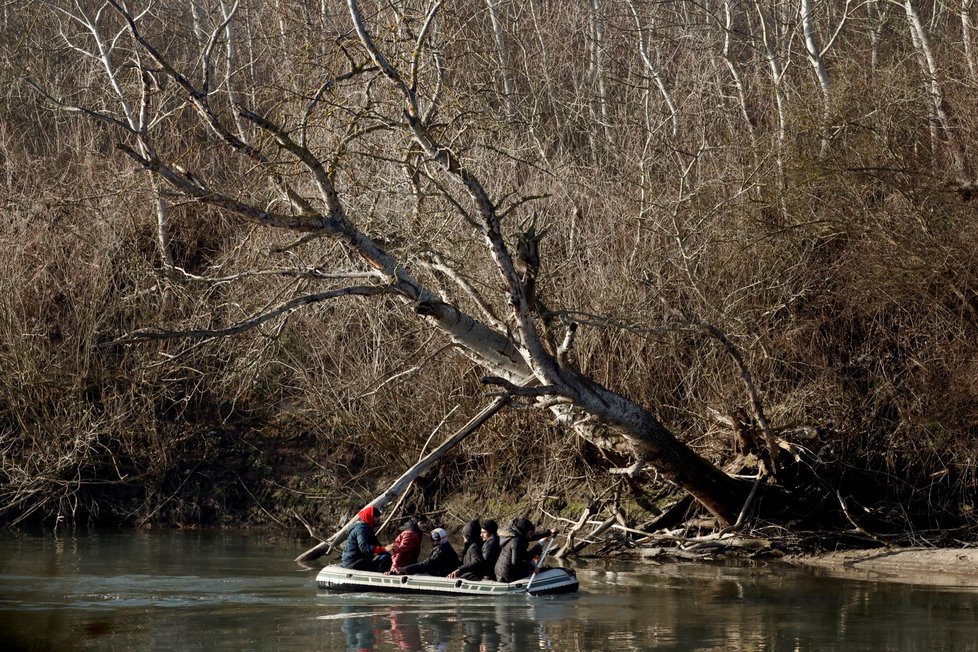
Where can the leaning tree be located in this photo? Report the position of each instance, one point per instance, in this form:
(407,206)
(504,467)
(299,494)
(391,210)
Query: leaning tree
(354,132)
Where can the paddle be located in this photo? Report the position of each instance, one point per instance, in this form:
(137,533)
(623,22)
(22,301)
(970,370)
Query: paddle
(539,564)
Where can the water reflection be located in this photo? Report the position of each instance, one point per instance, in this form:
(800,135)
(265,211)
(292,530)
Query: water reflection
(677,608)
(511,626)
(405,630)
(481,635)
(398,628)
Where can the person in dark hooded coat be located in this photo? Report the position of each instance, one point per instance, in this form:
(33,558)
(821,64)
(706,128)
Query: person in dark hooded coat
(443,559)
(362,550)
(515,556)
(473,563)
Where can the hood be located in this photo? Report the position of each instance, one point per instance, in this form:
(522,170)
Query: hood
(410,524)
(439,533)
(522,525)
(490,526)
(369,515)
(471,530)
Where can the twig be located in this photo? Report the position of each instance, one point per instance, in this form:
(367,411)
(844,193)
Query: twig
(860,529)
(309,529)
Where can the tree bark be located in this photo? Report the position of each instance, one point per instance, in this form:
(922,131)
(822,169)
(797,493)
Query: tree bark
(499,37)
(816,57)
(966,29)
(654,72)
(777,71)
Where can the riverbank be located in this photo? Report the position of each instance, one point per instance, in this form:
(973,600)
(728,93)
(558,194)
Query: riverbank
(957,567)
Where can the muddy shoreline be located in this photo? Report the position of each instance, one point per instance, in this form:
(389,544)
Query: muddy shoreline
(953,567)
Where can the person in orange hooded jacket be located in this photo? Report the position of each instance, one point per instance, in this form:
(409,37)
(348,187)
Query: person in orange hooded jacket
(362,550)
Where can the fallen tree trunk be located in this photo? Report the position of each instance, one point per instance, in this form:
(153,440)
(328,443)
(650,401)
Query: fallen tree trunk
(402,483)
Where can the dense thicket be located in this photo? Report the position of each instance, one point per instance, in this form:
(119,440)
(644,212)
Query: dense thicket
(794,174)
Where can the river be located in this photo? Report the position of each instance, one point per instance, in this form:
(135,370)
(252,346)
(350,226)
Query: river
(240,590)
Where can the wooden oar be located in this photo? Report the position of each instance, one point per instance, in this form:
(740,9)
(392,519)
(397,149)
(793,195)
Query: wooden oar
(543,555)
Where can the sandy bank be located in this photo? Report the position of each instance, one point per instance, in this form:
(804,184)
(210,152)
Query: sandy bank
(932,566)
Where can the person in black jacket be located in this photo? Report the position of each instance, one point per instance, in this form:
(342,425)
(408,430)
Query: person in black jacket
(471,552)
(515,556)
(443,559)
(479,557)
(490,547)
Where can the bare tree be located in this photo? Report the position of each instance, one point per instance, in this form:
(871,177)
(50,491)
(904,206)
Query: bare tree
(654,72)
(967,28)
(942,129)
(877,11)
(336,218)
(597,42)
(775,44)
(514,345)
(499,35)
(816,56)
(727,25)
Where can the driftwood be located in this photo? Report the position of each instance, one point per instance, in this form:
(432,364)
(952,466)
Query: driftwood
(703,547)
(662,542)
(674,553)
(618,521)
(402,483)
(738,543)
(602,527)
(569,545)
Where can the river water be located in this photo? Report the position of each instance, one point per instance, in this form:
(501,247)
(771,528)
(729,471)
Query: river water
(176,590)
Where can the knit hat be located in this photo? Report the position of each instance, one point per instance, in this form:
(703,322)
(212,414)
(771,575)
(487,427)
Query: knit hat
(489,526)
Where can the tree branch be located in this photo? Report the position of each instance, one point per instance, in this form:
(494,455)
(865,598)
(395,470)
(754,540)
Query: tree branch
(252,322)
(518,390)
(192,187)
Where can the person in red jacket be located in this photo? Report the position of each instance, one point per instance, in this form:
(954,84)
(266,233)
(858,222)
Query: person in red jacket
(443,559)
(406,547)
